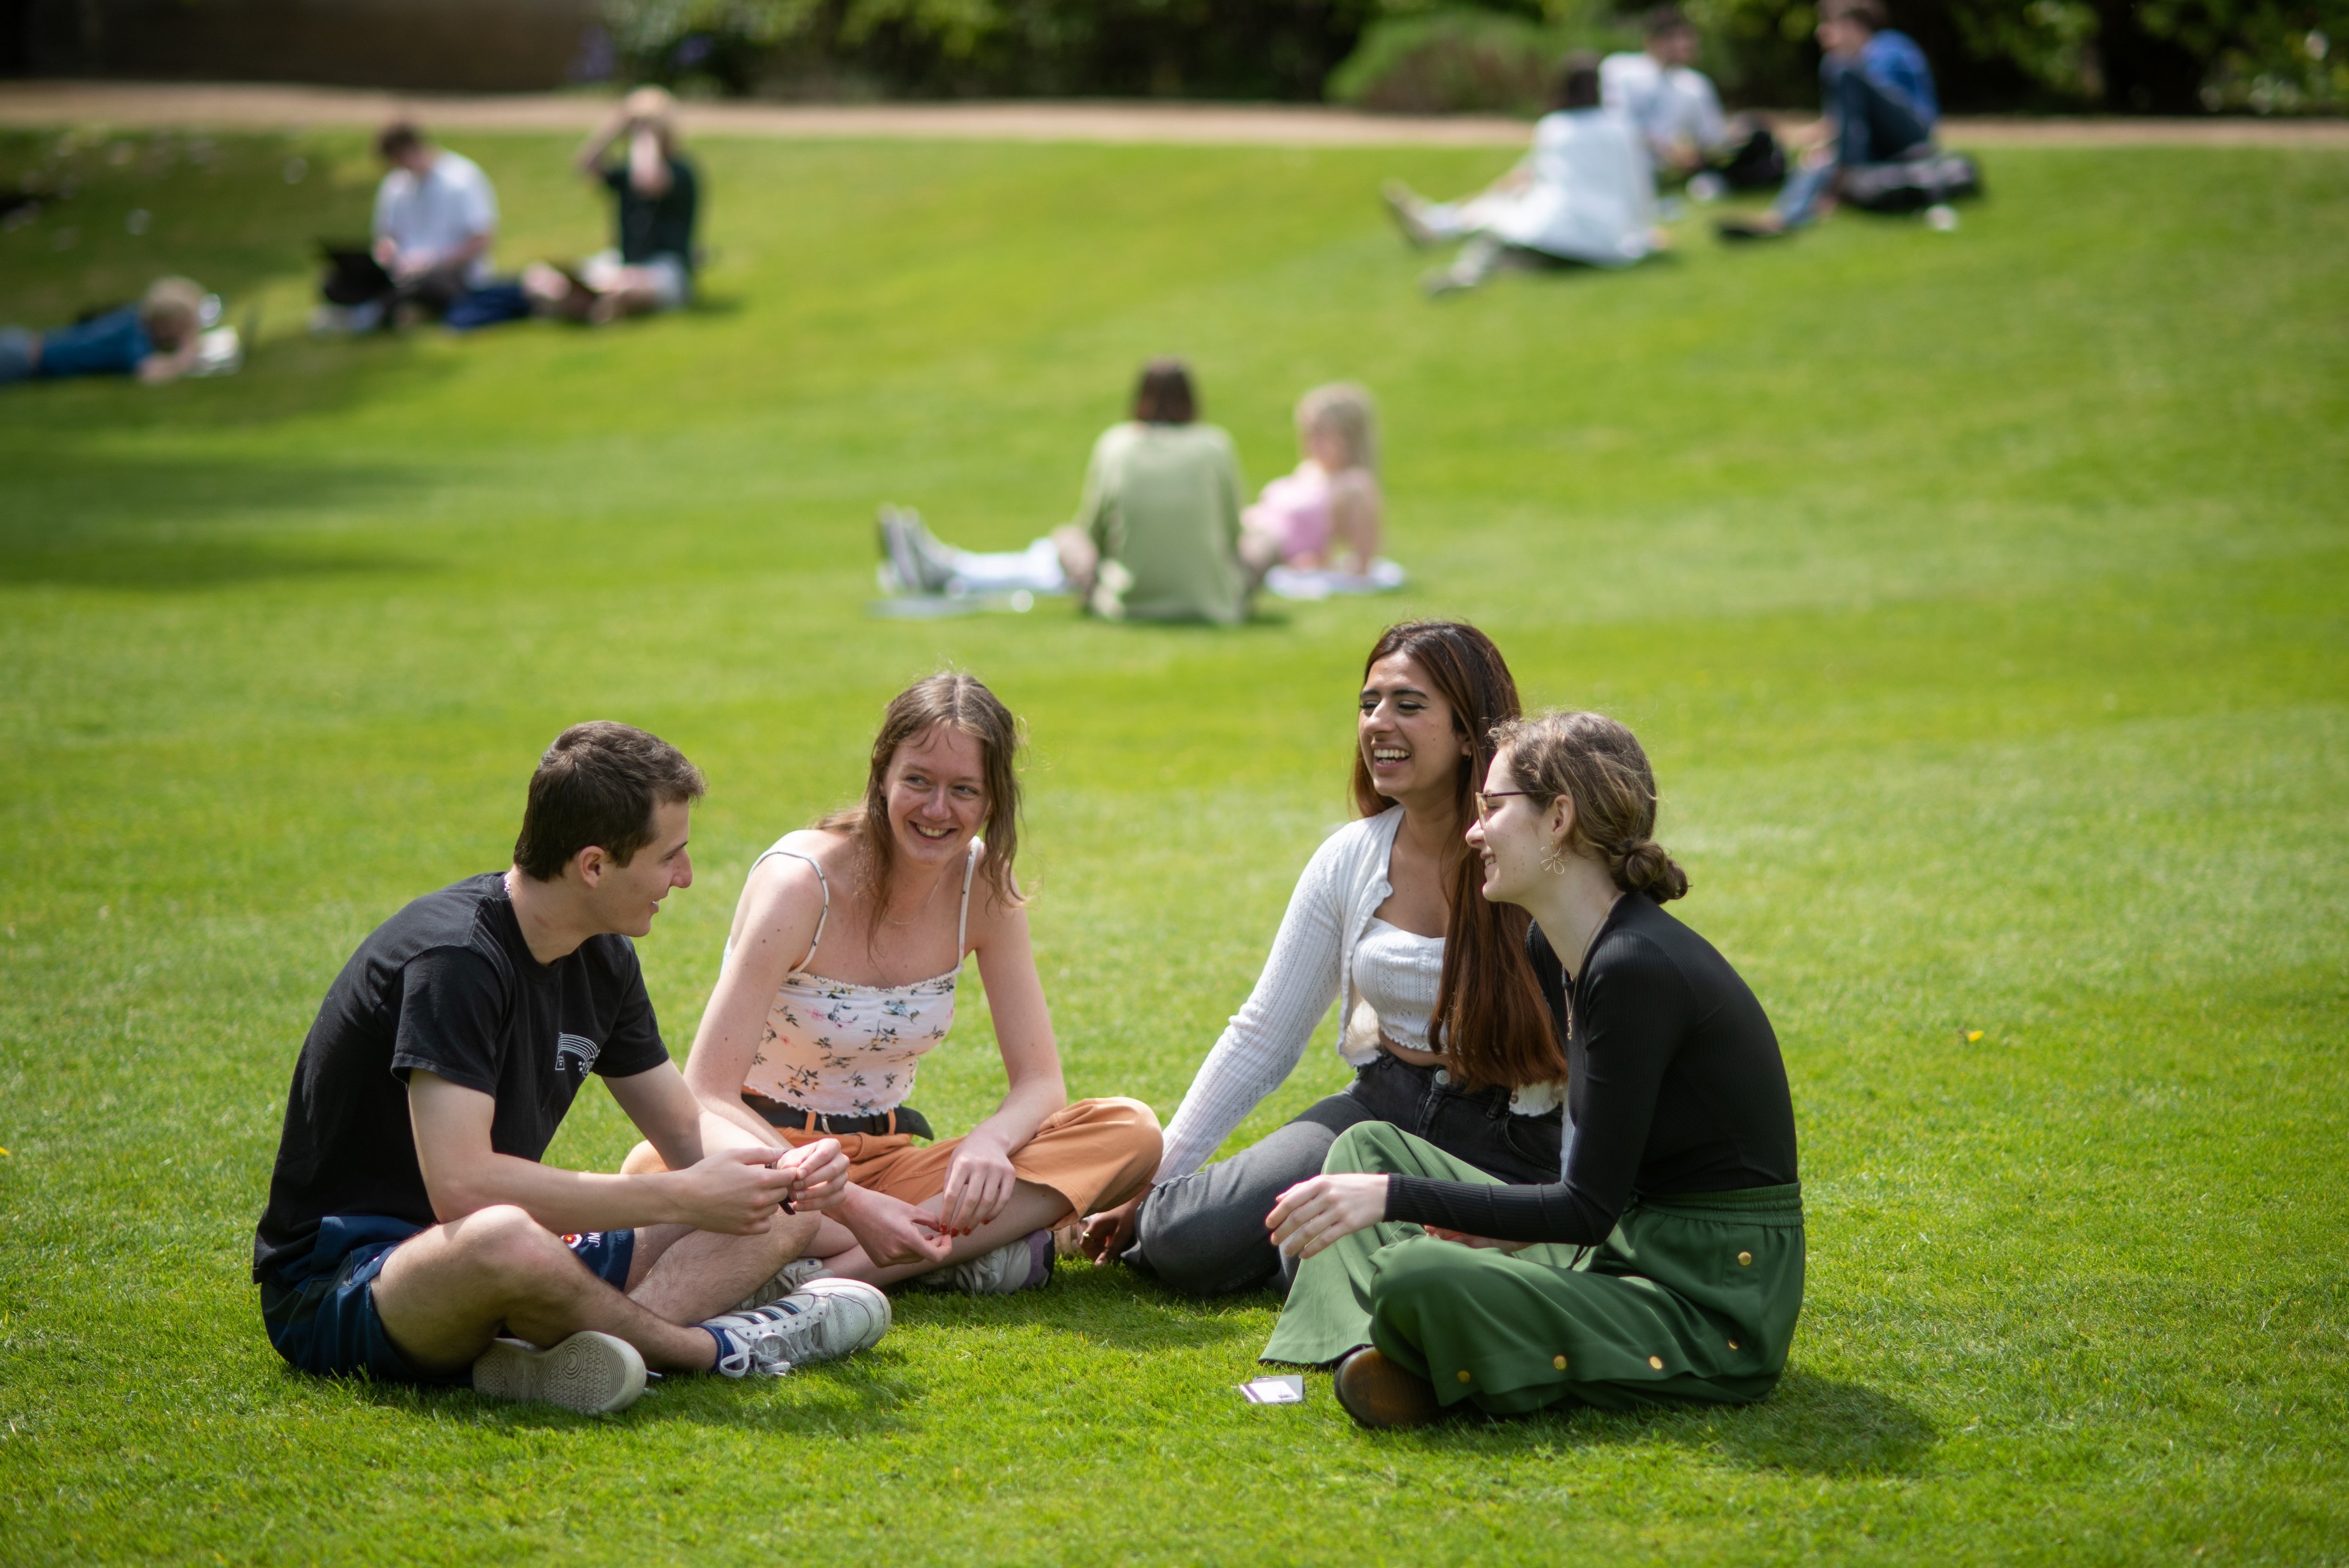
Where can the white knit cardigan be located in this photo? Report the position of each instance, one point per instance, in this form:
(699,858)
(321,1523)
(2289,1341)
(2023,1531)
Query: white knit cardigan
(1312,960)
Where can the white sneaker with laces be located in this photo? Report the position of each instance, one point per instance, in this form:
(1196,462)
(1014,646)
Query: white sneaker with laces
(594,1373)
(745,1350)
(783,1282)
(1014,1266)
(823,1320)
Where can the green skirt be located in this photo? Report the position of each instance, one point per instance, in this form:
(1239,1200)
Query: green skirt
(1693,1298)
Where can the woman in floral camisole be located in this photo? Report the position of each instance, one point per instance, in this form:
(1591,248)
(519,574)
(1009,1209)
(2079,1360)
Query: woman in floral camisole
(839,976)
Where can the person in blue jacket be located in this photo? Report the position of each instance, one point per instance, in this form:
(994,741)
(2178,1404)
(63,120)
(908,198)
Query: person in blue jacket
(154,340)
(1877,106)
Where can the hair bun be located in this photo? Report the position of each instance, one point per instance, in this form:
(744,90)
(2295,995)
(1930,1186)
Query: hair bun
(1643,867)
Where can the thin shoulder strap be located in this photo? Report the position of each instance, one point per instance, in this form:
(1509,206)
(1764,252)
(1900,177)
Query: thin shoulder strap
(823,882)
(962,921)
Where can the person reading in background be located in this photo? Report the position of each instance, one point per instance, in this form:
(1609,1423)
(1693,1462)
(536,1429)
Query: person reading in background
(156,340)
(1667,1267)
(839,976)
(436,217)
(412,1235)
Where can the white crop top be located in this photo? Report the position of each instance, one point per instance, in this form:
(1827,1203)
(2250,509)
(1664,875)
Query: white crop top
(1398,973)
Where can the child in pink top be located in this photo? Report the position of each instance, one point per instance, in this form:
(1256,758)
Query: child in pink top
(1326,514)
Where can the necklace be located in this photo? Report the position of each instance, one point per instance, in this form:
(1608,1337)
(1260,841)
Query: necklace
(917,914)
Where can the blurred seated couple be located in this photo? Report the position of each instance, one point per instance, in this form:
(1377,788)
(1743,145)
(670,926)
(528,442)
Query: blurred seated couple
(411,1232)
(1161,533)
(436,219)
(1564,1171)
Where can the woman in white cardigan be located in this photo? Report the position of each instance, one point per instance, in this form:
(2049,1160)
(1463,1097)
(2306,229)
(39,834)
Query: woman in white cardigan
(1445,1025)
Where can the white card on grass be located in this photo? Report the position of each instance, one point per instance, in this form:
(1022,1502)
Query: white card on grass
(1288,1390)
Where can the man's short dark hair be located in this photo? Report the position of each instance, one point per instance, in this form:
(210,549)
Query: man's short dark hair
(598,785)
(1868,14)
(1665,19)
(397,139)
(1165,396)
(1578,81)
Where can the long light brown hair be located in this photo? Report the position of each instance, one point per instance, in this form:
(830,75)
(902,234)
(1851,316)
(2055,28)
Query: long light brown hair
(1597,764)
(959,702)
(1491,1019)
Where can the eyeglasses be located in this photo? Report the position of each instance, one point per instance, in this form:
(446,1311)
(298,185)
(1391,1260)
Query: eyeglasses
(1485,798)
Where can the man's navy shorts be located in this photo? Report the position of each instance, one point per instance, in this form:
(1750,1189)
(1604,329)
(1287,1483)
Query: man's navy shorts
(320,1312)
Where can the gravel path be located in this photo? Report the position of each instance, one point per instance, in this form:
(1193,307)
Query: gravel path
(232,106)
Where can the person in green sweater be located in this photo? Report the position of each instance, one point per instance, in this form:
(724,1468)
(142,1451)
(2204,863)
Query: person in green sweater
(1157,536)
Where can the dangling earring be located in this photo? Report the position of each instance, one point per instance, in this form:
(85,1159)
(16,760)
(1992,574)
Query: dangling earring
(1553,861)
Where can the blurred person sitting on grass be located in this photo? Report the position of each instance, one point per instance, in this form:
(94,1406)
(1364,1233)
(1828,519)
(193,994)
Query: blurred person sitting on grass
(411,1233)
(436,217)
(1677,111)
(1441,1015)
(1324,515)
(1877,106)
(1157,535)
(155,340)
(1666,1266)
(1585,193)
(839,976)
(650,266)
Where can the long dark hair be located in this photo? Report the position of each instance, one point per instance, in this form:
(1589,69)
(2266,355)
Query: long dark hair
(958,702)
(1491,1019)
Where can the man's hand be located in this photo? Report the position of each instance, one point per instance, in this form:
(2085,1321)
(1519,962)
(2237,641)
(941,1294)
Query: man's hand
(819,1175)
(979,1180)
(1313,1214)
(891,1231)
(1108,1233)
(734,1192)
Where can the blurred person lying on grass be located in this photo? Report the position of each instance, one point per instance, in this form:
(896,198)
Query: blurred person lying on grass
(156,340)
(658,193)
(1157,535)
(411,1233)
(839,976)
(1585,193)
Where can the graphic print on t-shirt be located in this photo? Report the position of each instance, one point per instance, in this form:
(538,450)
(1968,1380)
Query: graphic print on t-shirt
(580,1047)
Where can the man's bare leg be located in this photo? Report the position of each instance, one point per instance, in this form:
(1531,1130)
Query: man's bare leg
(685,1276)
(444,1294)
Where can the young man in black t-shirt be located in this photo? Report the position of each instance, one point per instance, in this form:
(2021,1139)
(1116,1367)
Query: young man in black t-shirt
(411,1232)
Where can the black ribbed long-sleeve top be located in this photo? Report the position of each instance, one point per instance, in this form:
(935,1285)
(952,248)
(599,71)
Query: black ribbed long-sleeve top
(1673,1080)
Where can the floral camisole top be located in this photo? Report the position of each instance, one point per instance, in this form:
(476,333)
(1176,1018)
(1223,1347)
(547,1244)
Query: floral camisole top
(850,1050)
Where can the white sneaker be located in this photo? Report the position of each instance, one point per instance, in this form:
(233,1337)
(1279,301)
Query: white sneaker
(591,1373)
(1012,1267)
(745,1349)
(823,1320)
(782,1283)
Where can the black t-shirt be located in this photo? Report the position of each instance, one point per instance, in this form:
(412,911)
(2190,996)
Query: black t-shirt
(1673,1079)
(651,225)
(447,984)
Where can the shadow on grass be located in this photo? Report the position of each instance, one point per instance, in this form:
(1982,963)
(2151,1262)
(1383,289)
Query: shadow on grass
(1811,1425)
(154,523)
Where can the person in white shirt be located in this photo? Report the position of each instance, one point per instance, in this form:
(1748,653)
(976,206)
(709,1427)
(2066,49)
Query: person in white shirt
(1660,90)
(1585,193)
(435,219)
(1438,1002)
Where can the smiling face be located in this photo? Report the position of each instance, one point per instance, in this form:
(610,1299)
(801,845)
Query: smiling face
(936,794)
(1406,735)
(625,899)
(1514,834)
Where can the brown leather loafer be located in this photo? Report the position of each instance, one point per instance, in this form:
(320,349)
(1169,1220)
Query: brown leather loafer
(1378,1392)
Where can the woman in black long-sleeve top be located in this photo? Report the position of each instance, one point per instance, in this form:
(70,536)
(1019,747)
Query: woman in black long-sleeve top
(1667,1264)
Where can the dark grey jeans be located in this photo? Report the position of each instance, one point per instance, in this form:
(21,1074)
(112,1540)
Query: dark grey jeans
(1204,1234)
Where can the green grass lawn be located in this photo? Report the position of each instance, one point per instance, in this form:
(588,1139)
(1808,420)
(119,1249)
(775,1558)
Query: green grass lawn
(1980,597)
